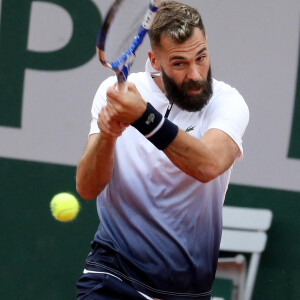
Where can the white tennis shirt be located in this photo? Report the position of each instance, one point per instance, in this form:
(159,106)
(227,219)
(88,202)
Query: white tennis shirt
(163,226)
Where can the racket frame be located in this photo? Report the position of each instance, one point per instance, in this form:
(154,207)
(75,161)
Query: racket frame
(121,66)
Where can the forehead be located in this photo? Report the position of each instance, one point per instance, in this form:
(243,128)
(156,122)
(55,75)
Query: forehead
(189,48)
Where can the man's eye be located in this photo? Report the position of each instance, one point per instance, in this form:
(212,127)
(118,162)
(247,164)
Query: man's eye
(177,64)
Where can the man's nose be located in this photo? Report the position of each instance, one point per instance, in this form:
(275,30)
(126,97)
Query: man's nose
(193,73)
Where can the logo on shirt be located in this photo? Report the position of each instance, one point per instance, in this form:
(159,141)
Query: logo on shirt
(190,128)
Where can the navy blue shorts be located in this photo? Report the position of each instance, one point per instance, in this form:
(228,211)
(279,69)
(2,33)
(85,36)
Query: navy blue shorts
(101,286)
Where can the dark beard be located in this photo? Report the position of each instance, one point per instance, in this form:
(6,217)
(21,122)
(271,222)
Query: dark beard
(178,94)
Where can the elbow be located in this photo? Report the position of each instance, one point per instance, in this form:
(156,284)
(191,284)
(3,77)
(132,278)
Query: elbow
(86,194)
(87,197)
(207,174)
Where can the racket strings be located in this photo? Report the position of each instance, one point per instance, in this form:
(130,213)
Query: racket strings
(124,27)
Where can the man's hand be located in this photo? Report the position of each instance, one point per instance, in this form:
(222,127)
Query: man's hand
(109,127)
(125,108)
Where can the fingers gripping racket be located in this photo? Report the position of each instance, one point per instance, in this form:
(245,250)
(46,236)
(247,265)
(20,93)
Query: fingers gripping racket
(123,31)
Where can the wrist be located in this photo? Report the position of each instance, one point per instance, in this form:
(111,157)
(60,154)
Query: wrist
(108,137)
(157,129)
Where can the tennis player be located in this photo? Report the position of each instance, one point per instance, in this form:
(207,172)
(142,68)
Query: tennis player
(159,159)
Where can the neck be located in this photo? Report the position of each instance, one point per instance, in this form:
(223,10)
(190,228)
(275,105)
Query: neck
(159,83)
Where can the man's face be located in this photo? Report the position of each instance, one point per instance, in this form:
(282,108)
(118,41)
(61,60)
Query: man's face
(183,95)
(185,71)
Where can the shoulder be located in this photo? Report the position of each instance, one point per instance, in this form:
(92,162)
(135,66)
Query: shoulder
(226,97)
(227,111)
(106,84)
(222,89)
(140,79)
(227,106)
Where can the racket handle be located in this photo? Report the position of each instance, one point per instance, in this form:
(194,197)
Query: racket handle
(122,87)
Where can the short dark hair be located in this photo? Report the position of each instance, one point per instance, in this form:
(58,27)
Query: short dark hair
(176,21)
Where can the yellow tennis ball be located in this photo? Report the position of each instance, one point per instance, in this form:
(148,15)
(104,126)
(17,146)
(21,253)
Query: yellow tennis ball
(64,207)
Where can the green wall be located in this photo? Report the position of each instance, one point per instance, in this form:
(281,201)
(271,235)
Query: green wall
(42,258)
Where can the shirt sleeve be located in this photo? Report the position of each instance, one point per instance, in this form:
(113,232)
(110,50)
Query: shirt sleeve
(230,114)
(98,103)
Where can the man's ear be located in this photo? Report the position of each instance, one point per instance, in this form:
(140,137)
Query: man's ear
(154,61)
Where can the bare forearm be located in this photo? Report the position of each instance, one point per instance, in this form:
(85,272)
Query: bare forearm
(202,159)
(192,157)
(95,167)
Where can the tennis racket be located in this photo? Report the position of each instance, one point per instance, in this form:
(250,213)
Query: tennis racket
(124,28)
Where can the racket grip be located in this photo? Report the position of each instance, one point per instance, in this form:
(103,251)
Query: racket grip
(122,87)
